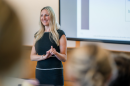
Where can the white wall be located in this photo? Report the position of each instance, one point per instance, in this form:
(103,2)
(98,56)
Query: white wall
(29,13)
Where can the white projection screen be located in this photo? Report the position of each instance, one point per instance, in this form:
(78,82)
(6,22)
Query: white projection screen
(96,20)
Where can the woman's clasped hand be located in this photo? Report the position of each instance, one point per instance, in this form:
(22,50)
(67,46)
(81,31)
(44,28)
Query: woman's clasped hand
(51,52)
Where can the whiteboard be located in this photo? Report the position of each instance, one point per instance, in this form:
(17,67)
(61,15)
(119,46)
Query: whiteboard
(29,14)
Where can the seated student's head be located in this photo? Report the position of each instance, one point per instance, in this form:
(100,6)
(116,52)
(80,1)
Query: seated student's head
(123,65)
(90,65)
(10,38)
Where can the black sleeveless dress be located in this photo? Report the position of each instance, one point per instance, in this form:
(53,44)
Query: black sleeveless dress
(49,71)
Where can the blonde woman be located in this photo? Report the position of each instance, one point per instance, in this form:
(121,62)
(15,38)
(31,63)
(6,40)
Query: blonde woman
(49,49)
(90,65)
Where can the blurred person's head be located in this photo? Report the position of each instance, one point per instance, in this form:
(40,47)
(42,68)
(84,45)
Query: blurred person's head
(10,38)
(90,65)
(48,19)
(123,66)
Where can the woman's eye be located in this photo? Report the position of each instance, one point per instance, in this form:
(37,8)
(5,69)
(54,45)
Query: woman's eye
(46,15)
(41,15)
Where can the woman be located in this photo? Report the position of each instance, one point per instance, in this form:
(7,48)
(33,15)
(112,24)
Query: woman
(49,49)
(90,65)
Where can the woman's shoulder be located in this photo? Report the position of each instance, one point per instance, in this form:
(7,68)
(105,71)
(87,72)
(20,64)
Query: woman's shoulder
(61,32)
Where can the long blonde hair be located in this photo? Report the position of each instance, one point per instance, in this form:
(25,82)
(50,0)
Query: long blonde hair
(91,65)
(52,24)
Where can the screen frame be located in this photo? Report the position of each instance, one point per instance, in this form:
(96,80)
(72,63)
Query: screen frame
(93,40)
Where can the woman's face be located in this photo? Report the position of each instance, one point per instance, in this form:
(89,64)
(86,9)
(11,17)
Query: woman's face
(45,17)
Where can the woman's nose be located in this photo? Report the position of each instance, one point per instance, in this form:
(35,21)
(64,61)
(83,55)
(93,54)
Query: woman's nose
(43,17)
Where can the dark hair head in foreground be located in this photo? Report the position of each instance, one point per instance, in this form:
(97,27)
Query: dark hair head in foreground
(123,65)
(10,38)
(90,65)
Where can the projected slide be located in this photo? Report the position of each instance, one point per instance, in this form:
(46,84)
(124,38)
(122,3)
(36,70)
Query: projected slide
(103,19)
(96,19)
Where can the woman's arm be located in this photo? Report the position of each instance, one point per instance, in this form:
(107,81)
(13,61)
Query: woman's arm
(62,56)
(35,57)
